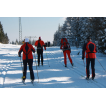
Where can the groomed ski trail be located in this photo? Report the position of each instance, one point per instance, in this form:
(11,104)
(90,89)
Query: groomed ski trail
(55,76)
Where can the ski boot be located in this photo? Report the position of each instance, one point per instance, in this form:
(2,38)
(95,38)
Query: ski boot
(32,81)
(65,65)
(72,64)
(87,78)
(93,77)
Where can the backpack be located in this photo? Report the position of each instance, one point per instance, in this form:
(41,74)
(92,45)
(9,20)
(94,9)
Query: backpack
(65,44)
(27,48)
(39,47)
(91,48)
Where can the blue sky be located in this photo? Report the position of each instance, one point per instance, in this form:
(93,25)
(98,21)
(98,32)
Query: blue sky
(31,26)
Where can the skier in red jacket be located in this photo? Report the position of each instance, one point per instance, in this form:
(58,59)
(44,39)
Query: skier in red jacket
(90,49)
(66,50)
(40,44)
(27,50)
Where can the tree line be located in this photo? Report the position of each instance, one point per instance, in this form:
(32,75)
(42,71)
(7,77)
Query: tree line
(77,29)
(3,36)
(17,42)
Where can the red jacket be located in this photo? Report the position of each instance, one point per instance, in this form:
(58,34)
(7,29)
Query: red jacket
(63,40)
(27,50)
(90,49)
(41,43)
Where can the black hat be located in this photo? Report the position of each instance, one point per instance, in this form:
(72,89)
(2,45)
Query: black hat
(88,38)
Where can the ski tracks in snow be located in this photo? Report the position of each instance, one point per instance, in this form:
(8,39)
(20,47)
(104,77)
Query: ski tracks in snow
(52,74)
(5,67)
(78,70)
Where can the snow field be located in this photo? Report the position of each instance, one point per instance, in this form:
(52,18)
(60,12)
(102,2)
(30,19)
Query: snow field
(52,74)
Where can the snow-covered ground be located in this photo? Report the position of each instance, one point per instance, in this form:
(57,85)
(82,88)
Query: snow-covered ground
(52,74)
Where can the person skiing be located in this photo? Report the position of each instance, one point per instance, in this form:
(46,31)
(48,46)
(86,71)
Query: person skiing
(66,50)
(27,50)
(90,49)
(39,44)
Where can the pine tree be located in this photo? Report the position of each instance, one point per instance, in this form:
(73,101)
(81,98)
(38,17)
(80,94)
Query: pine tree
(1,33)
(16,42)
(99,25)
(3,37)
(81,28)
(13,42)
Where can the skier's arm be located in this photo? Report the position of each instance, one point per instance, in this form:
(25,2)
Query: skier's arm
(66,40)
(33,50)
(83,51)
(36,43)
(19,53)
(61,47)
(44,45)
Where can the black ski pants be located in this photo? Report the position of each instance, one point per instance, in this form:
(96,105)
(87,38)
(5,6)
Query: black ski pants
(40,54)
(88,61)
(30,63)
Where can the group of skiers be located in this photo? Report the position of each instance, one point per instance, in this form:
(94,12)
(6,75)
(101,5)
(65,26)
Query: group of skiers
(27,49)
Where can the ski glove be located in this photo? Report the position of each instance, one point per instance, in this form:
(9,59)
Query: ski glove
(19,55)
(82,58)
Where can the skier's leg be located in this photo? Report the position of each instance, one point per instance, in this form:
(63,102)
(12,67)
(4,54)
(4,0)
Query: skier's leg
(65,59)
(30,62)
(38,58)
(42,57)
(87,67)
(68,53)
(93,68)
(25,69)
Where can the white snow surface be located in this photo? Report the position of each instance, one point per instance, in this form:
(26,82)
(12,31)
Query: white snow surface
(52,74)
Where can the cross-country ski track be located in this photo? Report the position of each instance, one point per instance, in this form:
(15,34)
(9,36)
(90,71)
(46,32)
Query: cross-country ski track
(52,74)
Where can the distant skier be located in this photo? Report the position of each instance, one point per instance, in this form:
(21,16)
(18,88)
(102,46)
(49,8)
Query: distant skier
(90,49)
(66,50)
(40,44)
(27,50)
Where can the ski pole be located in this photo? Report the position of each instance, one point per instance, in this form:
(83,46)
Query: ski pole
(36,67)
(84,63)
(84,67)
(47,59)
(21,64)
(100,64)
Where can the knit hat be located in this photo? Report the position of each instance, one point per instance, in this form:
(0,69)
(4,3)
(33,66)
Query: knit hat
(39,38)
(26,40)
